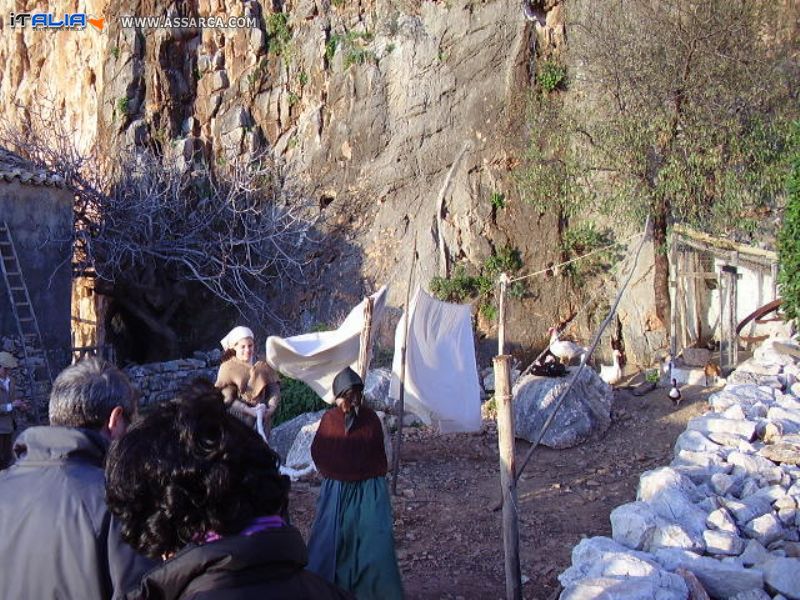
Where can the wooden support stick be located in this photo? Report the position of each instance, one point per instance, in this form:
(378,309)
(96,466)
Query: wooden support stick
(365,348)
(402,395)
(508,483)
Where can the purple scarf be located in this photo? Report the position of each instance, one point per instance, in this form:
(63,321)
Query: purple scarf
(256,525)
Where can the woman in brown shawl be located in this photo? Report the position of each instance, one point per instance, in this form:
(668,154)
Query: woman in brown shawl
(249,387)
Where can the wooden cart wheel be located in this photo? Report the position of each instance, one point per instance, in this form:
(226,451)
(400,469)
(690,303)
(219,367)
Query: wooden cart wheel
(756,315)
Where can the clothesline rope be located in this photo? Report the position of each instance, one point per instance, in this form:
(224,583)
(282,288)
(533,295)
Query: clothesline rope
(576,259)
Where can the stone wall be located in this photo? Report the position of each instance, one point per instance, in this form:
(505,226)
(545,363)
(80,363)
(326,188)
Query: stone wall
(725,512)
(157,382)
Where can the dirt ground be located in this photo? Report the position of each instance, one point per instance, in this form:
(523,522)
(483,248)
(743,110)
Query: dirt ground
(448,537)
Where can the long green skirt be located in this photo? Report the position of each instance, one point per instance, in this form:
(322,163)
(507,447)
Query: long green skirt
(352,542)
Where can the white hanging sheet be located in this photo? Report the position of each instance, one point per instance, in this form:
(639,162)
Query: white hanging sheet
(441,383)
(316,358)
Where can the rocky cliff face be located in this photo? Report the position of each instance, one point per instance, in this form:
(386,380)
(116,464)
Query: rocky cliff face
(383,113)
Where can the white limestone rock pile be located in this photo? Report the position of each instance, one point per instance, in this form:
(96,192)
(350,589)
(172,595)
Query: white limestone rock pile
(727,508)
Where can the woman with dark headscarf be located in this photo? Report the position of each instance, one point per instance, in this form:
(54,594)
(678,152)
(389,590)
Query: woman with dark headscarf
(193,485)
(352,542)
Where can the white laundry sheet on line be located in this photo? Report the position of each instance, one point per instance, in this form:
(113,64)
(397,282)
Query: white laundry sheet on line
(441,383)
(316,358)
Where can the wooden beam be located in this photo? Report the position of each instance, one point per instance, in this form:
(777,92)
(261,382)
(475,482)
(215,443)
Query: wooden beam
(726,245)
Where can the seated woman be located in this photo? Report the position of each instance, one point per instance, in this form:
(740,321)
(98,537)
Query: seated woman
(352,541)
(193,485)
(249,387)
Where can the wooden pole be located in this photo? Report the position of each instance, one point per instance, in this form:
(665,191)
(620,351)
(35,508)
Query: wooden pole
(402,394)
(365,348)
(501,325)
(508,482)
(674,283)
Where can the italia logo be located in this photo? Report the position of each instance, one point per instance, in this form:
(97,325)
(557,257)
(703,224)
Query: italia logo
(77,21)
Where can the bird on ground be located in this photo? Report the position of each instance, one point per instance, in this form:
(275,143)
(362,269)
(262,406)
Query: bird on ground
(675,393)
(712,372)
(564,350)
(612,374)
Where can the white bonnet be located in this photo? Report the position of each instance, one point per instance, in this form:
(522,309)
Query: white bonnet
(234,335)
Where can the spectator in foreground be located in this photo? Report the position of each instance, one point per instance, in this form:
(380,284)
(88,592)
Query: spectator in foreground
(57,538)
(197,487)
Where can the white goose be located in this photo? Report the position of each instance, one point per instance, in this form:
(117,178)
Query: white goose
(612,374)
(564,350)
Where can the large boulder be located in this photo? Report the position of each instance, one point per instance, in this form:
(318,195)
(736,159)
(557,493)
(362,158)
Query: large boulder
(672,497)
(299,456)
(376,389)
(377,397)
(585,412)
(601,568)
(282,437)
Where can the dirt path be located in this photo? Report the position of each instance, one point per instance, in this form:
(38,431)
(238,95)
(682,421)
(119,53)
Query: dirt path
(448,538)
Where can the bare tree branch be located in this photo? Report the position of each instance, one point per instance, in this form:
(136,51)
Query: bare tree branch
(237,229)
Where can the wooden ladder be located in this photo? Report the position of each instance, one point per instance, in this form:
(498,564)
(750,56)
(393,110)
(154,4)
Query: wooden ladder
(36,364)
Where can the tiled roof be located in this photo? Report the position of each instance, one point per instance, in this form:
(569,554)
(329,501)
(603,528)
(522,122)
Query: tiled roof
(16,168)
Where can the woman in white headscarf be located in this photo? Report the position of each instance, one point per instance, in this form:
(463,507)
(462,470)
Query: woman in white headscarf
(249,387)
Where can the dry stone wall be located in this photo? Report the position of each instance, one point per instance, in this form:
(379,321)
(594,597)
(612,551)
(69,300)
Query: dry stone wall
(157,382)
(727,508)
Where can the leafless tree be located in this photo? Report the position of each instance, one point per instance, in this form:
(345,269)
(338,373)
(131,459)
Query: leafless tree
(150,225)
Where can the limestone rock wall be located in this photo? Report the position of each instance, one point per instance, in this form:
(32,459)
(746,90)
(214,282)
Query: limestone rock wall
(381,113)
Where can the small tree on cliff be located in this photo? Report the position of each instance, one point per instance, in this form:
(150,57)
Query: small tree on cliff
(159,235)
(677,111)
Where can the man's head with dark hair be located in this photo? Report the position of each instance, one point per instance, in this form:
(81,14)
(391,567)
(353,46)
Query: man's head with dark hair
(92,394)
(190,468)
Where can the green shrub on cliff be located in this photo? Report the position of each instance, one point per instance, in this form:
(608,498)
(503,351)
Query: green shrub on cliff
(789,238)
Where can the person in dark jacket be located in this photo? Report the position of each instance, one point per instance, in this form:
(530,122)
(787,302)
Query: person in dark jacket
(195,486)
(57,538)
